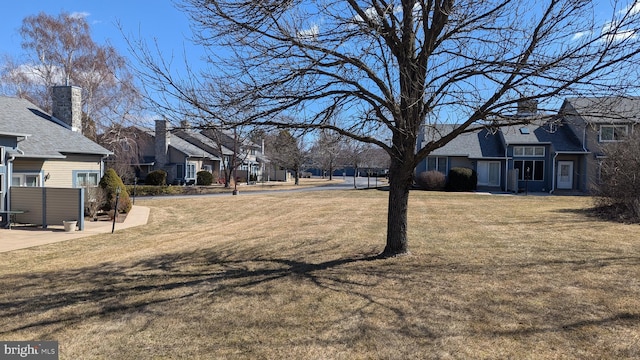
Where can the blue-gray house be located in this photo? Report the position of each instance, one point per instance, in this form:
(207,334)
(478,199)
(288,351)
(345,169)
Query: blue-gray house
(544,155)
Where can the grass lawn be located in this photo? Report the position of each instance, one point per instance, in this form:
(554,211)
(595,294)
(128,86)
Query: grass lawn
(295,276)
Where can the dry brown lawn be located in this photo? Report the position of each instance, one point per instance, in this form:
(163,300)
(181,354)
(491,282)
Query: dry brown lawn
(295,276)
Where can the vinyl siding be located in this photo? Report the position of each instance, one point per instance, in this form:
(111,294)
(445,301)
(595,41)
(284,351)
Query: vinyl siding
(60,170)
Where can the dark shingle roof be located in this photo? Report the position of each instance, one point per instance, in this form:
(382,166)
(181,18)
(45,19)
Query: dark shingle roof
(562,139)
(485,144)
(474,145)
(46,138)
(182,145)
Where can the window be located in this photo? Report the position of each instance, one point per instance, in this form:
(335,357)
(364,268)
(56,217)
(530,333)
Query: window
(208,168)
(528,151)
(437,163)
(180,171)
(25,179)
(86,179)
(191,171)
(530,169)
(612,132)
(1,155)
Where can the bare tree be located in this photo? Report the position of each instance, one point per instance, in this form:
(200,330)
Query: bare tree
(618,193)
(328,152)
(126,143)
(400,65)
(233,147)
(287,152)
(60,50)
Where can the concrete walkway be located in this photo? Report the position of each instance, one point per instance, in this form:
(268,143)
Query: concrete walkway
(24,237)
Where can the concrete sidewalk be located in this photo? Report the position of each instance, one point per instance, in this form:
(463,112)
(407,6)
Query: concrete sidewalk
(24,237)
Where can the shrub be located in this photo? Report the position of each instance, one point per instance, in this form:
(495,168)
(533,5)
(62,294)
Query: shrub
(462,179)
(152,190)
(618,193)
(157,177)
(110,182)
(204,178)
(94,200)
(431,180)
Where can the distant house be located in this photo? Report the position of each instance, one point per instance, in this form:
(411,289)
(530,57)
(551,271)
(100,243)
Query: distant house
(250,156)
(550,154)
(183,151)
(164,149)
(46,150)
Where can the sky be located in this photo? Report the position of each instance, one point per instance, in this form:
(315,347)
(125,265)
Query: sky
(150,20)
(147,19)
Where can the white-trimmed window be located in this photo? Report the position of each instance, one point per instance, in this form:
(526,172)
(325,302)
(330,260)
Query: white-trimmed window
(528,151)
(208,168)
(26,179)
(1,155)
(86,179)
(191,171)
(610,133)
(437,163)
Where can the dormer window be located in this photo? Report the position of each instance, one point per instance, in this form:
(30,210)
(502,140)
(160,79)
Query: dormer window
(610,133)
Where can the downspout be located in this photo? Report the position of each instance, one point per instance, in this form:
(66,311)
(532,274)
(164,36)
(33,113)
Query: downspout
(553,174)
(9,176)
(506,171)
(102,166)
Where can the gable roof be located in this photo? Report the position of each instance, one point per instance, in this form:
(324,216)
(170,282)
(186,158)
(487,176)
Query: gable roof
(198,139)
(603,110)
(474,145)
(182,145)
(483,144)
(44,136)
(561,138)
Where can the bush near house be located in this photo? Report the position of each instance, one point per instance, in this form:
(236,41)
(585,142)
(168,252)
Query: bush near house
(94,200)
(110,182)
(153,190)
(462,179)
(432,180)
(204,178)
(157,177)
(618,194)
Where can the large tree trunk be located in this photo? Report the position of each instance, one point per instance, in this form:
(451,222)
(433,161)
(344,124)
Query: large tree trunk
(400,179)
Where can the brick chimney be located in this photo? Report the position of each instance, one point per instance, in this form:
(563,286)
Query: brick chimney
(67,106)
(528,107)
(162,141)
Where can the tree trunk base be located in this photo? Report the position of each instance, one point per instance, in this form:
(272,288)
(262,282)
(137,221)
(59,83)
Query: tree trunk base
(393,254)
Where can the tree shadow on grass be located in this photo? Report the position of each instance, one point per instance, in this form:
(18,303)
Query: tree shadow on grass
(39,299)
(52,301)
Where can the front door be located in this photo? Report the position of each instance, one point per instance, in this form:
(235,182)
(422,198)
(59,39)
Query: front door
(565,175)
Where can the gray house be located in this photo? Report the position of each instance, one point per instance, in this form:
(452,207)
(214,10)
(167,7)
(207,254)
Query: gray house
(549,154)
(179,155)
(598,122)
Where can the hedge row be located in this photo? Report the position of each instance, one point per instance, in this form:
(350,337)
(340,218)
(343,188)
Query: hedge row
(459,179)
